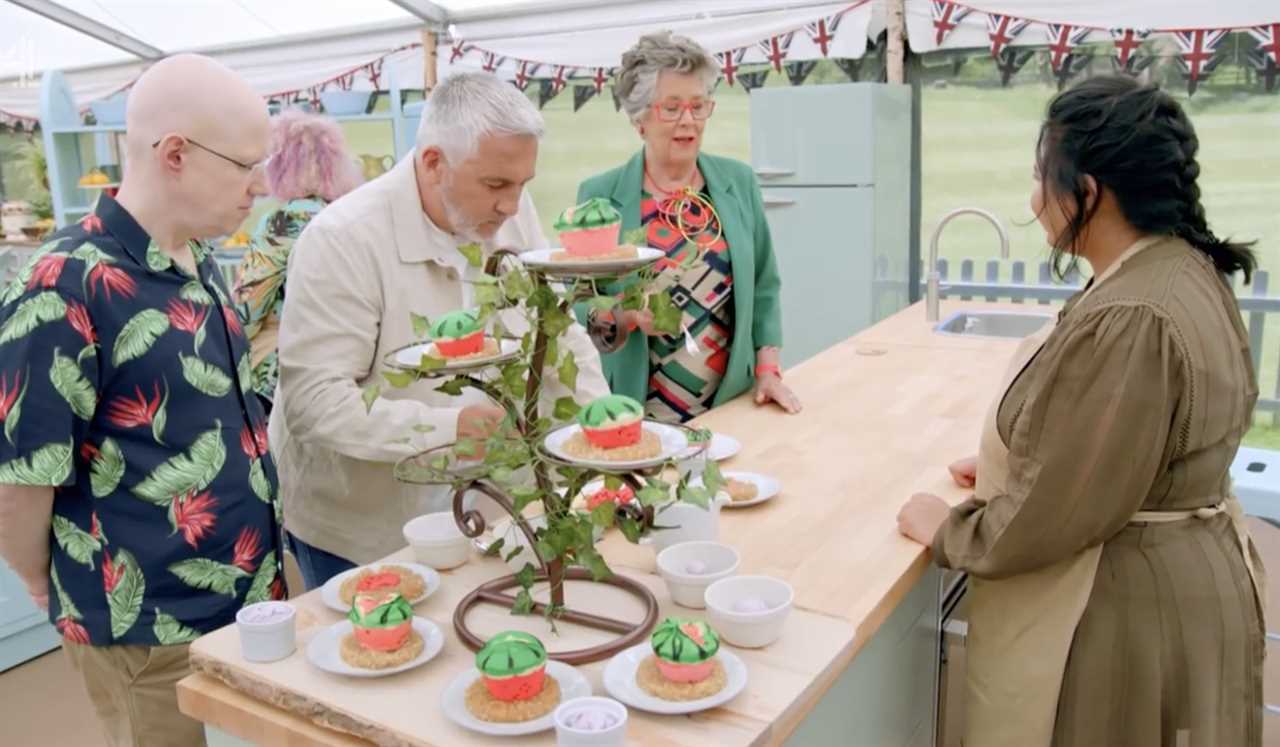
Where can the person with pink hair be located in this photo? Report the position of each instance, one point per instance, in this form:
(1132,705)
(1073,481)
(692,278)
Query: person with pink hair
(309,167)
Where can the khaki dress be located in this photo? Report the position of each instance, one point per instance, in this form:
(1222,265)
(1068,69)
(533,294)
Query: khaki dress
(1136,402)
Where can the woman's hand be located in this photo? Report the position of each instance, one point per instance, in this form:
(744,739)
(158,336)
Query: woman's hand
(641,319)
(769,388)
(921,517)
(965,472)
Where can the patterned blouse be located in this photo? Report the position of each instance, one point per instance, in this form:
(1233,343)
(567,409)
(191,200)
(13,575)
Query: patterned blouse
(259,291)
(125,386)
(683,384)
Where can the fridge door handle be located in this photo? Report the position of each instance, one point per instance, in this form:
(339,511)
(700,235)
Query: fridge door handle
(778,202)
(766,172)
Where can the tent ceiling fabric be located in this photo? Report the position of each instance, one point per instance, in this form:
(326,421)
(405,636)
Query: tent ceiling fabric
(293,44)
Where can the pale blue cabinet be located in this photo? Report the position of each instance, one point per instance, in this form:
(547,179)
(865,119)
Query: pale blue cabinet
(25,632)
(833,163)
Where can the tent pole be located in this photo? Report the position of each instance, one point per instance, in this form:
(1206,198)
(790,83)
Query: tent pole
(428,60)
(895,11)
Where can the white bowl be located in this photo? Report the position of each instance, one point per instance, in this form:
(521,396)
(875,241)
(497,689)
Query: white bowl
(614,736)
(268,631)
(688,588)
(437,541)
(749,629)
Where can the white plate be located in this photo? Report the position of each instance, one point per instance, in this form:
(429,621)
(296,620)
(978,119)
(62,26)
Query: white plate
(722,447)
(324,649)
(673,442)
(766,487)
(454,701)
(540,259)
(409,358)
(620,681)
(331,598)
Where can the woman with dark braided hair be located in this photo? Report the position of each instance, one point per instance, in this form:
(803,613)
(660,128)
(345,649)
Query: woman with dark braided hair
(1114,590)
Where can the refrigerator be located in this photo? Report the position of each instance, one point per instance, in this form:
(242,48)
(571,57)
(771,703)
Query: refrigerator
(833,162)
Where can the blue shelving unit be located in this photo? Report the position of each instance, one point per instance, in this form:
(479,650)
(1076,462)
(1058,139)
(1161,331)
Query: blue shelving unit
(73,147)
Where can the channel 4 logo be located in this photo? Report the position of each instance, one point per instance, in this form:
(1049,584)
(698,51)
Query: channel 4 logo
(18,61)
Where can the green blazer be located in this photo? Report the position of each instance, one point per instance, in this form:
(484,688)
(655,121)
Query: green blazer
(757,303)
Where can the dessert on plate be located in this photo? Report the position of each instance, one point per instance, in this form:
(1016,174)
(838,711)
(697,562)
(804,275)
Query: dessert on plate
(459,335)
(513,685)
(684,664)
(384,578)
(590,232)
(612,430)
(741,490)
(382,632)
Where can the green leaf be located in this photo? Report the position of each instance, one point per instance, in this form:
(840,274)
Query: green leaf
(184,473)
(15,412)
(162,414)
(204,377)
(712,479)
(652,496)
(524,603)
(106,469)
(502,475)
(555,323)
(603,515)
(31,313)
(488,294)
(430,363)
(50,465)
(421,326)
(516,285)
(260,589)
(565,409)
(138,335)
(602,303)
(452,387)
(636,236)
(69,382)
(494,547)
(202,573)
(696,495)
(78,544)
(569,371)
(244,372)
(666,316)
(170,632)
(630,529)
(524,496)
(473,252)
(259,482)
(195,293)
(369,395)
(67,608)
(125,601)
(424,428)
(590,558)
(399,379)
(525,575)
(512,553)
(466,448)
(513,379)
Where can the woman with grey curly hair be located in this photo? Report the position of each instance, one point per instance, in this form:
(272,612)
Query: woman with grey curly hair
(706,213)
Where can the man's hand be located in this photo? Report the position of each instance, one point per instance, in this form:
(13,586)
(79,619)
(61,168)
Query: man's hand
(26,513)
(477,422)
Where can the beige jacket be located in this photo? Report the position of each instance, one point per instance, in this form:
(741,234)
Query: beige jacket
(357,271)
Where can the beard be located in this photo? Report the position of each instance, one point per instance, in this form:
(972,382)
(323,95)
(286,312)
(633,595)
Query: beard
(463,227)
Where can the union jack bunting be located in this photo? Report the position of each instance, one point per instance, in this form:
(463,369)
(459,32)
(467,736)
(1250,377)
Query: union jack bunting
(1062,39)
(492,62)
(1198,50)
(823,31)
(1002,30)
(1127,41)
(1268,40)
(458,51)
(946,16)
(775,49)
(729,63)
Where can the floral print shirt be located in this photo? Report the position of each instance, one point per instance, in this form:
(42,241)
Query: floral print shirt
(125,385)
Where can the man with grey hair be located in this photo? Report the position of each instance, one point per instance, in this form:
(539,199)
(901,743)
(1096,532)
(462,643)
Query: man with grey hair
(361,267)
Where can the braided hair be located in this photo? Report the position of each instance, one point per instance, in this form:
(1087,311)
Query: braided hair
(1136,141)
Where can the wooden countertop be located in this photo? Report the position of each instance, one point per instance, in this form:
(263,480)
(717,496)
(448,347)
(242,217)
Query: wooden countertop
(885,412)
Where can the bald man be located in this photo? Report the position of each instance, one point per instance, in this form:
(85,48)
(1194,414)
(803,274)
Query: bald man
(137,498)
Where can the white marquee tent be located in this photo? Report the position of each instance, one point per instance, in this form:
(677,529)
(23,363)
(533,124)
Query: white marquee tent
(287,46)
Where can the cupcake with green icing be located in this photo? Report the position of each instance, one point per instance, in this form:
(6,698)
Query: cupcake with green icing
(612,421)
(590,229)
(458,334)
(382,620)
(684,650)
(513,666)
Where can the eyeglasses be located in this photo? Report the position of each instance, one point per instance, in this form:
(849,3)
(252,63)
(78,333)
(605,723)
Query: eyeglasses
(671,111)
(248,168)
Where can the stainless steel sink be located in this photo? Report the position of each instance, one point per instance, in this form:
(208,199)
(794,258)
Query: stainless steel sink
(1009,324)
